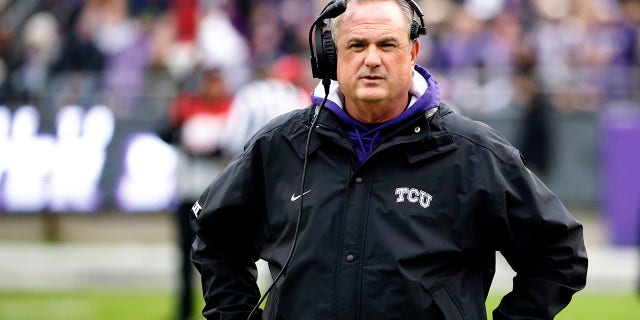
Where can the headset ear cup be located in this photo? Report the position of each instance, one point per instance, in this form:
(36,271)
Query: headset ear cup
(326,55)
(330,55)
(414,33)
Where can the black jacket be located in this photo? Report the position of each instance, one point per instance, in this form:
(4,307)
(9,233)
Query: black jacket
(411,233)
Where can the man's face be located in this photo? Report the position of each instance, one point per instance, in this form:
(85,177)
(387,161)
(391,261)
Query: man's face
(375,55)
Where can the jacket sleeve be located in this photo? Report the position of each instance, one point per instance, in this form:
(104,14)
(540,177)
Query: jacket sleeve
(542,242)
(226,220)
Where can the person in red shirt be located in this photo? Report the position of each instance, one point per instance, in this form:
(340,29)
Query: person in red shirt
(197,118)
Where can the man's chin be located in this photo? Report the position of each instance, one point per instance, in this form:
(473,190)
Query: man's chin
(371,96)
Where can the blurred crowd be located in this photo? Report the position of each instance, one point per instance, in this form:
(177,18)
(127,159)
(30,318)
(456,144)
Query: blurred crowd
(136,55)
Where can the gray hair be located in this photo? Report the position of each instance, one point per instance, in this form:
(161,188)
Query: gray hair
(404,6)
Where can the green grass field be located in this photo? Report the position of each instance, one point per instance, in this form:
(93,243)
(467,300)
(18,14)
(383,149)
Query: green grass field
(87,305)
(99,305)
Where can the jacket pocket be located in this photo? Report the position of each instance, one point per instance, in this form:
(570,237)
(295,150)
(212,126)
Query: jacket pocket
(446,302)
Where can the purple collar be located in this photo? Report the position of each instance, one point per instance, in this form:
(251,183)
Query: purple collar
(366,137)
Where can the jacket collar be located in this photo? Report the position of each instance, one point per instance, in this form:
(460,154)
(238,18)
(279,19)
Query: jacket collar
(432,137)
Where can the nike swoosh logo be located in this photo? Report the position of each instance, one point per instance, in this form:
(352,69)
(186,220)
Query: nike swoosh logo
(294,197)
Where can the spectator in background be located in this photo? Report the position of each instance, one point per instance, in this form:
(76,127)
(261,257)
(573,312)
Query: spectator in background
(197,117)
(123,40)
(209,74)
(534,138)
(595,46)
(458,43)
(276,92)
(28,45)
(41,46)
(220,43)
(274,27)
(621,79)
(76,74)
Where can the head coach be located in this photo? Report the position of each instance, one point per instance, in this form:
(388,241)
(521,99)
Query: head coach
(379,201)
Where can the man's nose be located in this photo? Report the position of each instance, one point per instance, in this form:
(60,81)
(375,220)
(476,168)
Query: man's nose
(372,58)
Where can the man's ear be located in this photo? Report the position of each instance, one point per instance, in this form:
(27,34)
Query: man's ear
(415,50)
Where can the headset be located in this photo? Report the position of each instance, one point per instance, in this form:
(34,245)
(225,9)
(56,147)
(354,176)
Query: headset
(323,66)
(324,58)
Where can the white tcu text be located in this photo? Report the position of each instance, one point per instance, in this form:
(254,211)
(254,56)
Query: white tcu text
(414,195)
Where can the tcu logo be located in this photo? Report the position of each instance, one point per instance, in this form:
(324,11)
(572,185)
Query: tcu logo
(414,195)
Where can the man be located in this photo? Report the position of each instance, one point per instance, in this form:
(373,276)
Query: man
(404,206)
(197,119)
